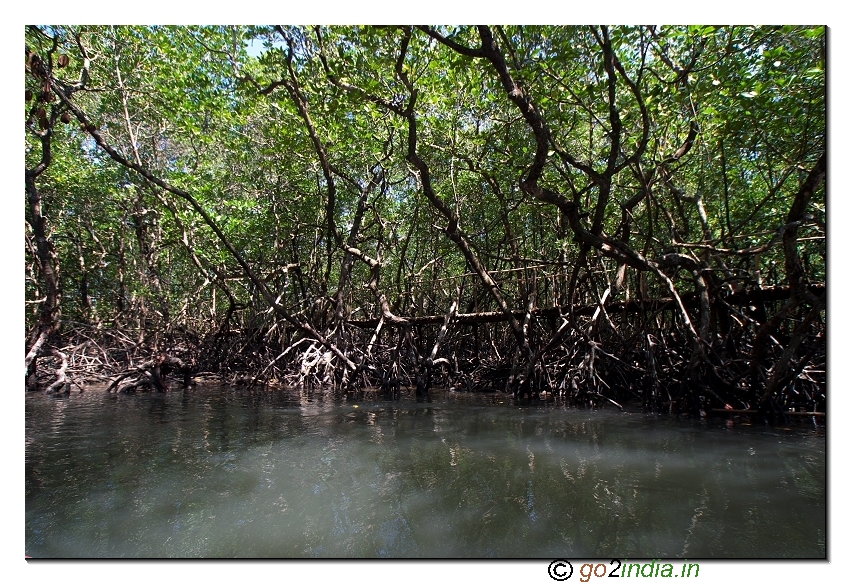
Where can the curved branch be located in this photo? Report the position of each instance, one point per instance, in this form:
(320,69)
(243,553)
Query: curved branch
(246,268)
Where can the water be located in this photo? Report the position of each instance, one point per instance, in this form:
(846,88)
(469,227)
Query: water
(215,473)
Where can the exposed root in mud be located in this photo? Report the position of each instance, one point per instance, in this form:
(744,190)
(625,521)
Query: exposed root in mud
(645,362)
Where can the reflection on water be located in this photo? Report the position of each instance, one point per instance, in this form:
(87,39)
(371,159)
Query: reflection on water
(219,474)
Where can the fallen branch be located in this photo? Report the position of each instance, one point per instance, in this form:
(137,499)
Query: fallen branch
(765,294)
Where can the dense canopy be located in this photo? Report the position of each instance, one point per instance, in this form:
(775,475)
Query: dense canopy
(599,213)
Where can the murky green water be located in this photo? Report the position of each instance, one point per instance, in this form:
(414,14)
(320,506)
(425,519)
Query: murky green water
(217,474)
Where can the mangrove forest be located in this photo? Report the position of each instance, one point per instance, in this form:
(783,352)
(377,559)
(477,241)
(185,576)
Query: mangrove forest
(612,216)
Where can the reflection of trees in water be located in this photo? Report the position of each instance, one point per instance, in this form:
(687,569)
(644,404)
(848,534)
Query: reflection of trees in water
(395,479)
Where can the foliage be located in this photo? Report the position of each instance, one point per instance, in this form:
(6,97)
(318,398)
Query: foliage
(620,159)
